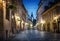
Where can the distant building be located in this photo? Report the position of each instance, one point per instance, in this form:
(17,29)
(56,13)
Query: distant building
(34,22)
(29,23)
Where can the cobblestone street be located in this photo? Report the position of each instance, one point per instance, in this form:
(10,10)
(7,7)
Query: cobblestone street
(34,35)
(29,20)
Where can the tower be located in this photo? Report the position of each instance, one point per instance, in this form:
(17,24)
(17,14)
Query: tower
(32,16)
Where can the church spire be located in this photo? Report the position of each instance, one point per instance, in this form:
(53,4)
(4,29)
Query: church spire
(32,16)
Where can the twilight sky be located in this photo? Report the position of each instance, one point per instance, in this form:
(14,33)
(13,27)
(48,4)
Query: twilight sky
(31,6)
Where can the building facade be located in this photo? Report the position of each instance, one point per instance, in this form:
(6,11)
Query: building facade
(4,23)
(51,17)
(1,18)
(13,15)
(45,15)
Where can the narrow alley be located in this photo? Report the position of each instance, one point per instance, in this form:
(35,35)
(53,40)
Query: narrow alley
(29,20)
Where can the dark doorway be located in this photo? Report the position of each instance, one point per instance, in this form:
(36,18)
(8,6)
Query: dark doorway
(48,27)
(55,27)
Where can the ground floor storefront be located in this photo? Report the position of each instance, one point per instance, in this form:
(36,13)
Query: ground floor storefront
(51,26)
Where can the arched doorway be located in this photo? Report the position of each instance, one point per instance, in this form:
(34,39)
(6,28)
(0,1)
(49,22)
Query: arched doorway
(59,24)
(55,26)
(48,27)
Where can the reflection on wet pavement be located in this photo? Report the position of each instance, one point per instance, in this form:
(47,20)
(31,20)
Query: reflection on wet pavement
(35,35)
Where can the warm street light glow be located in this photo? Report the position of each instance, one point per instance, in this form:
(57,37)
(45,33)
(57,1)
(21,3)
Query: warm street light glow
(55,18)
(42,21)
(26,23)
(18,22)
(0,0)
(12,16)
(31,25)
(17,17)
(3,1)
(22,22)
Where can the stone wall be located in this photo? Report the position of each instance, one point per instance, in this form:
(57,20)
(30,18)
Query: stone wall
(1,21)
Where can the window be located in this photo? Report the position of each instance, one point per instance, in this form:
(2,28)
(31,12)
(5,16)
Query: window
(58,10)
